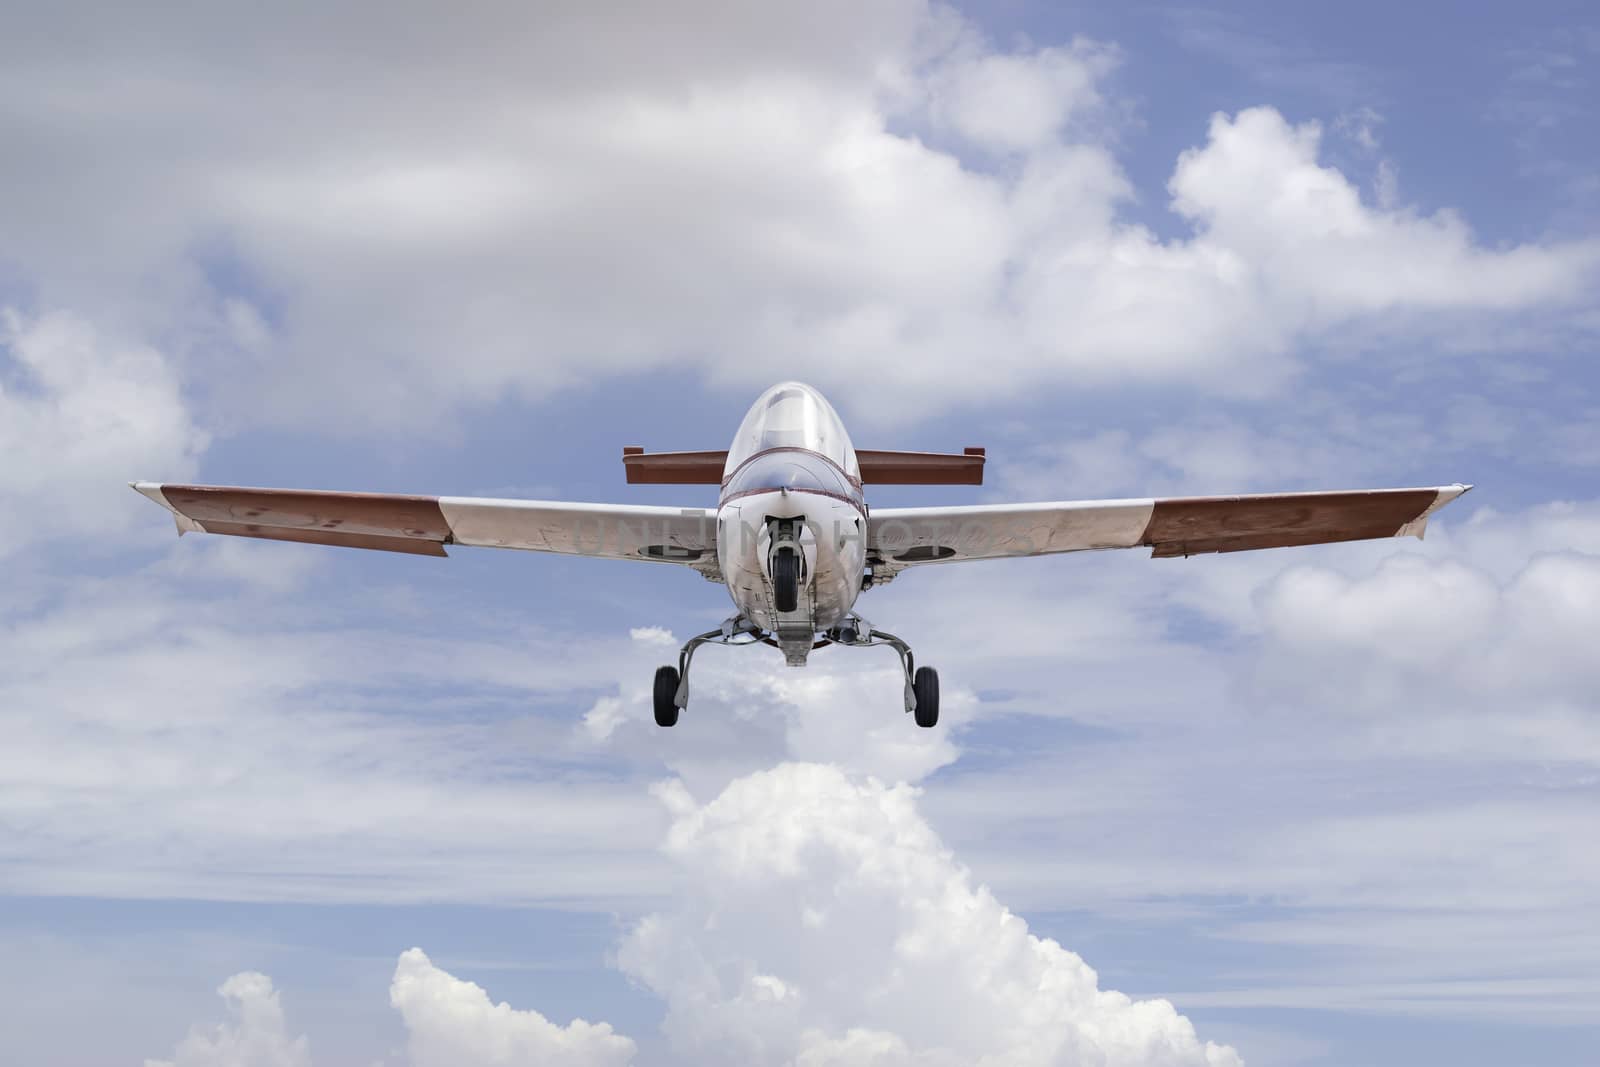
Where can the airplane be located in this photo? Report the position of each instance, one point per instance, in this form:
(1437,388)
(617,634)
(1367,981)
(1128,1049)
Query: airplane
(792,536)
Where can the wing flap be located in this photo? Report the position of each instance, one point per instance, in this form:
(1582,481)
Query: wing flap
(339,538)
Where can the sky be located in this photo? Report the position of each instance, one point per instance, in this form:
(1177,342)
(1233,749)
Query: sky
(272,805)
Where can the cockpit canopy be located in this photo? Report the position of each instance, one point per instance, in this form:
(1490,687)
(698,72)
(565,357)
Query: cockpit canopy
(792,415)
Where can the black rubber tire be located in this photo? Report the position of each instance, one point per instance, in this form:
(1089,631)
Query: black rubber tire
(925,686)
(786,581)
(666,693)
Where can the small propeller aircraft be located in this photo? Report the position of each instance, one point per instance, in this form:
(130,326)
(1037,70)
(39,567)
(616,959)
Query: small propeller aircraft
(792,537)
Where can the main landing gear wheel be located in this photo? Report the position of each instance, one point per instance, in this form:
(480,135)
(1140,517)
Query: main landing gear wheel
(786,580)
(667,695)
(925,684)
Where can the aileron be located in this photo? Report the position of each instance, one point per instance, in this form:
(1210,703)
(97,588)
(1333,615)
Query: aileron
(1191,526)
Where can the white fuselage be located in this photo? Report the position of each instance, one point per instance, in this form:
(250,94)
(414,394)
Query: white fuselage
(792,472)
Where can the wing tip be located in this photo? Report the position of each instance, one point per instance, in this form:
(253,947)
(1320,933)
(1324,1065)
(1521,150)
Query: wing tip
(1418,527)
(153,491)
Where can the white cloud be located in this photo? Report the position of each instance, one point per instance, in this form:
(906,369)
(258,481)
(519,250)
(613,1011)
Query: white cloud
(1497,627)
(186,722)
(817,920)
(1312,442)
(1361,836)
(820,920)
(257,1037)
(452,1023)
(81,414)
(449,1023)
(1302,234)
(1018,103)
(1373,756)
(763,193)
(381,761)
(1361,126)
(1411,611)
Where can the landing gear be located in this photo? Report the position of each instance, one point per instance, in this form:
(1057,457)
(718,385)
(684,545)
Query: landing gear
(666,694)
(922,683)
(672,683)
(926,687)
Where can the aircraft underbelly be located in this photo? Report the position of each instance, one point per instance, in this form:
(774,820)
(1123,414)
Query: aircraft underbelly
(833,544)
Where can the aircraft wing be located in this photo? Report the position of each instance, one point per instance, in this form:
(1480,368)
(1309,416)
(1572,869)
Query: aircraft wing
(423,525)
(1177,526)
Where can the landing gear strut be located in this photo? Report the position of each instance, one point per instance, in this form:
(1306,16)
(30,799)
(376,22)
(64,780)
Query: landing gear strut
(672,683)
(921,683)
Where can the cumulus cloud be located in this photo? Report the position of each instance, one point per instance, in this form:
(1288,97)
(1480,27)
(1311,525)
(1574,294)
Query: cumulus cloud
(1386,747)
(818,921)
(1319,253)
(1497,623)
(82,413)
(768,189)
(821,921)
(1411,610)
(449,1023)
(258,1036)
(452,1023)
(1018,102)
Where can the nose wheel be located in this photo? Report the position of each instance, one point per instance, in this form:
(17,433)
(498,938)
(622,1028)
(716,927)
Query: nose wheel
(785,580)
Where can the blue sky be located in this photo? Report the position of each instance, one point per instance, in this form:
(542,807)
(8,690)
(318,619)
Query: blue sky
(1331,803)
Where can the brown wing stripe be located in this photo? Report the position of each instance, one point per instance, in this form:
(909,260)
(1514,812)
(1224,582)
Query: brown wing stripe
(414,546)
(1187,527)
(278,512)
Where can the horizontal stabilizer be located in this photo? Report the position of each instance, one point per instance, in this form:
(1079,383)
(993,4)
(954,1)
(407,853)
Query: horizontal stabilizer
(878,467)
(673,468)
(921,468)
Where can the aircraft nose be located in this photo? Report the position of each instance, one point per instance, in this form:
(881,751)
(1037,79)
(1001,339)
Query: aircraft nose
(793,473)
(787,505)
